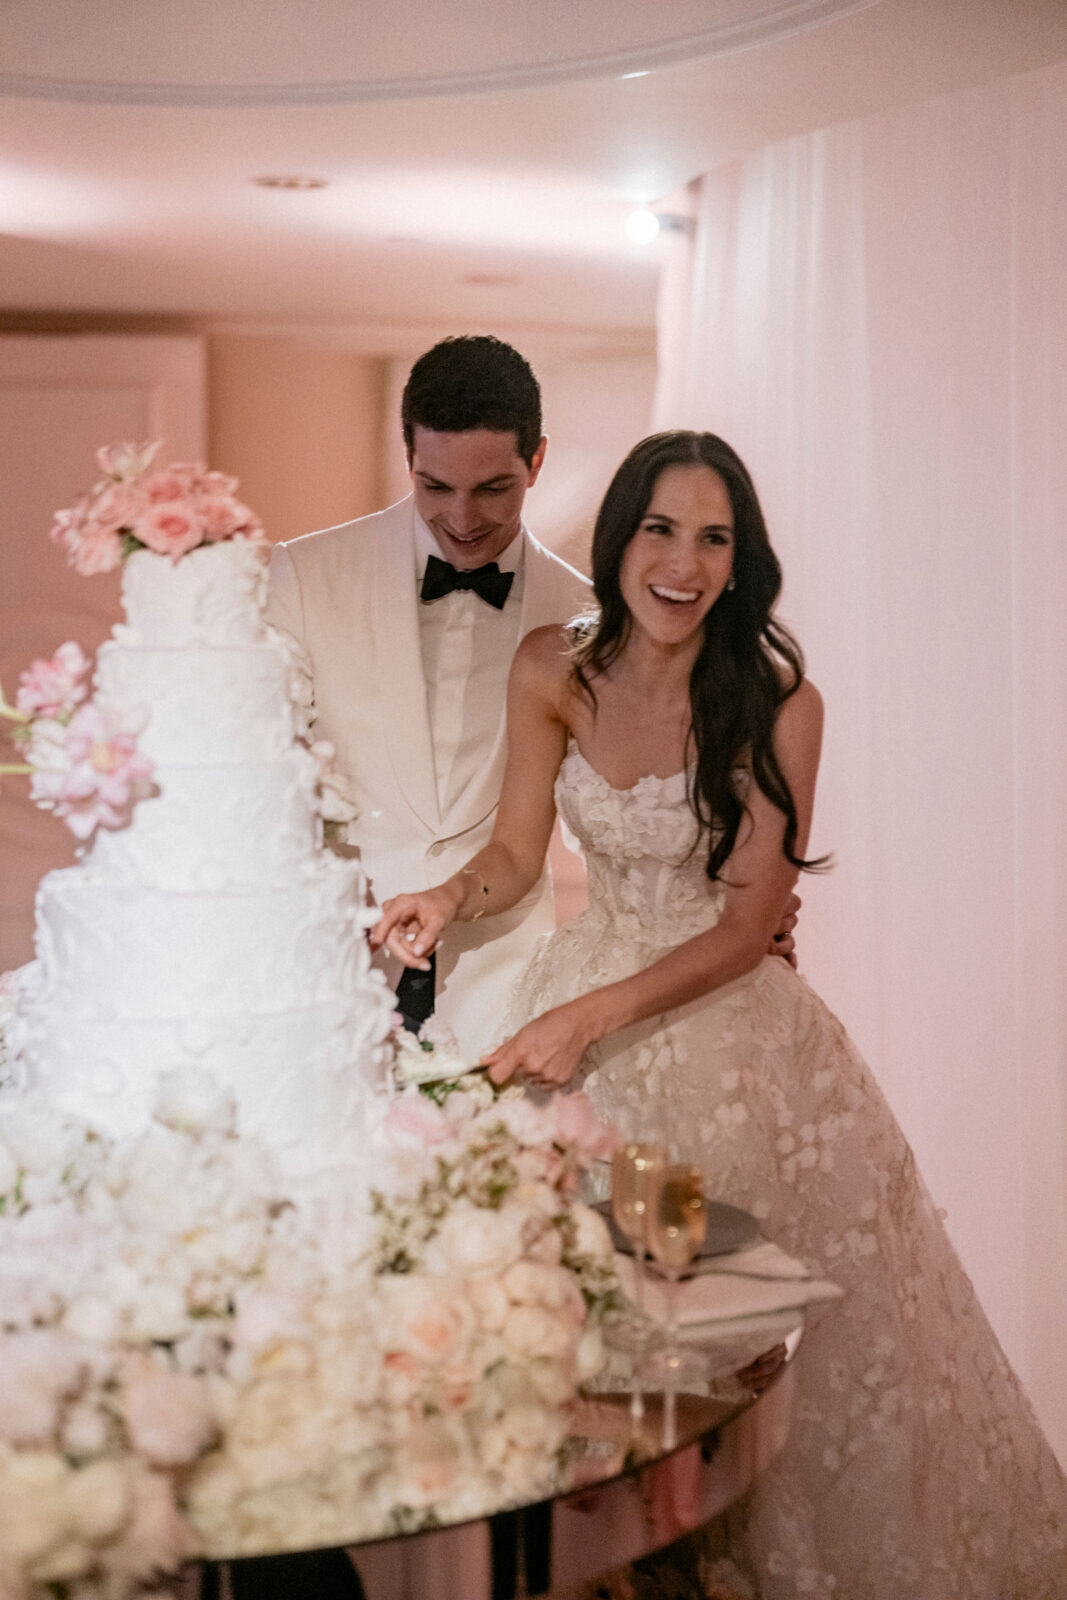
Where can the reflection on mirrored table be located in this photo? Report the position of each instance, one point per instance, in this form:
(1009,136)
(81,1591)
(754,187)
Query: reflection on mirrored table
(624,1490)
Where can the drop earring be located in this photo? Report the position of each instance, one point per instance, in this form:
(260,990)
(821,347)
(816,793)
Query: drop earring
(731,582)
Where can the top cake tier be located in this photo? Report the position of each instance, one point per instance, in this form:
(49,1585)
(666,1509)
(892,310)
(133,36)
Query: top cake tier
(213,596)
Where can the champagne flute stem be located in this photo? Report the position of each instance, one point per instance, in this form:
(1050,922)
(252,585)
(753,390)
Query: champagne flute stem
(670,1416)
(670,1390)
(637,1400)
(672,1318)
(639,1277)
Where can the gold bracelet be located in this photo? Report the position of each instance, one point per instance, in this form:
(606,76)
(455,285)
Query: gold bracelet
(465,872)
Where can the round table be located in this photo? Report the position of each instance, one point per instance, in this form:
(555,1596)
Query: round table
(624,1494)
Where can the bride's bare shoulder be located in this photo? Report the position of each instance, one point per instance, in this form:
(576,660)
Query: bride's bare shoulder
(546,653)
(544,667)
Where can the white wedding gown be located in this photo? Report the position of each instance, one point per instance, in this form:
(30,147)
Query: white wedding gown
(915,1469)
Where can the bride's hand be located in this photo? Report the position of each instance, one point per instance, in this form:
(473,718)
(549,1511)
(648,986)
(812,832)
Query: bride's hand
(546,1051)
(411,924)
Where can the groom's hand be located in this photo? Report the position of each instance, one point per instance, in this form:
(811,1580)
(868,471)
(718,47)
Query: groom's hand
(783,944)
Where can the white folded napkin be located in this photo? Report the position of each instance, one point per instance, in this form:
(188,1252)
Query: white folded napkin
(749,1282)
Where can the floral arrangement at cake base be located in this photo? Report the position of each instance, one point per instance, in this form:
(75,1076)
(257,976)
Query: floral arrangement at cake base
(198,1357)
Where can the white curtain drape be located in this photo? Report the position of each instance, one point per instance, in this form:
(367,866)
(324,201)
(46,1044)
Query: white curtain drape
(875,315)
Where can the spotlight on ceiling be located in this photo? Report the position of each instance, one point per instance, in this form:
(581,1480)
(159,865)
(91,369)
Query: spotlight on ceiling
(642,226)
(289,181)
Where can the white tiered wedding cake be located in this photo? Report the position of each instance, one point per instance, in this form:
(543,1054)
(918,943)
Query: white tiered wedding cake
(213,931)
(254,1294)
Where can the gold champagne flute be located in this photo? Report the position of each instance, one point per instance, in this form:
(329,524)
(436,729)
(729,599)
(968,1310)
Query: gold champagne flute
(632,1167)
(677,1223)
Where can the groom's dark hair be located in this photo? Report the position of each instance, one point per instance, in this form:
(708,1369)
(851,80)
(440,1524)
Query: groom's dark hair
(475,381)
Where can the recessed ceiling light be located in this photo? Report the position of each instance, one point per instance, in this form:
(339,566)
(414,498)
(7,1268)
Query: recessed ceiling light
(290,181)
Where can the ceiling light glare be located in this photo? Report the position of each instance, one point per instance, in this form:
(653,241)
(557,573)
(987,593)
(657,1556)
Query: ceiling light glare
(642,226)
(642,74)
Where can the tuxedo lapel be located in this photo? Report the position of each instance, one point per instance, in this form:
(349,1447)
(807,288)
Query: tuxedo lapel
(400,685)
(540,605)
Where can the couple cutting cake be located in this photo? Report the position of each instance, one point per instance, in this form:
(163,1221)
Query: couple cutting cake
(676,734)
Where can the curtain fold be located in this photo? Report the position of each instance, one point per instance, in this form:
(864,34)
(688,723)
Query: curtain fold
(875,315)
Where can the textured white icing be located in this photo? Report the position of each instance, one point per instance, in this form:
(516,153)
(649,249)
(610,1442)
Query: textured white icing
(118,950)
(212,596)
(209,827)
(206,705)
(292,1073)
(213,931)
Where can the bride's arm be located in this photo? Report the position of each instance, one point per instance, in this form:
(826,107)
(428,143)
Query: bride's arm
(511,863)
(758,877)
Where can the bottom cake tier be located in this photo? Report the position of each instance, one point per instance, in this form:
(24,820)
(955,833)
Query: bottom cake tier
(300,1078)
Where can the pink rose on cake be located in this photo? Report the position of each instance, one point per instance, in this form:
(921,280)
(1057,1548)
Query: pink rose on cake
(124,462)
(171,511)
(170,528)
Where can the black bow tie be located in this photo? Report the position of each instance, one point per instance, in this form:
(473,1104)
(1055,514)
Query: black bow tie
(488,582)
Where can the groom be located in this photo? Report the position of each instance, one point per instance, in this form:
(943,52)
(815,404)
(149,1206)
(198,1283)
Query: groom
(406,622)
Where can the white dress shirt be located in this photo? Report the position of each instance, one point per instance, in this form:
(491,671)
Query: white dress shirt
(467,646)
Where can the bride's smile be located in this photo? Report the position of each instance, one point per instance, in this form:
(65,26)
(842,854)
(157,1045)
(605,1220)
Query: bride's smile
(680,558)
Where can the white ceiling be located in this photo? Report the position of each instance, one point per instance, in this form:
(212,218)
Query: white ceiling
(481,156)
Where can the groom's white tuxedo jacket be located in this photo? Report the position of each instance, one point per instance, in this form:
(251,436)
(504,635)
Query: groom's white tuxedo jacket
(347,598)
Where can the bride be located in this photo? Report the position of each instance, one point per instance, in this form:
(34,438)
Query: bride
(680,741)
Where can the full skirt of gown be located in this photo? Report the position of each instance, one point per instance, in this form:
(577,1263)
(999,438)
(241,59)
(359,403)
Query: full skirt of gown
(915,1468)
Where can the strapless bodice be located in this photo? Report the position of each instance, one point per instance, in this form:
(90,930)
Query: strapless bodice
(644,850)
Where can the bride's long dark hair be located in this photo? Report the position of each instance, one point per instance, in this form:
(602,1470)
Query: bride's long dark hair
(749,663)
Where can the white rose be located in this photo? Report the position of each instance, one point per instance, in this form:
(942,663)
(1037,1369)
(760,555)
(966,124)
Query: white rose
(156,1538)
(32,1511)
(39,1367)
(533,1331)
(159,1313)
(490,1301)
(430,1462)
(473,1240)
(590,1357)
(527,1122)
(265,1316)
(86,1430)
(527,1474)
(168,1417)
(547,1247)
(39,1139)
(426,1319)
(537,1283)
(194,1102)
(554,1380)
(91,1317)
(591,1236)
(97,1499)
(64,1562)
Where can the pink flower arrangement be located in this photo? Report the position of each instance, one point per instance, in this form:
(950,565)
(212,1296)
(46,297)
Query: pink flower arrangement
(81,754)
(171,511)
(90,771)
(53,688)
